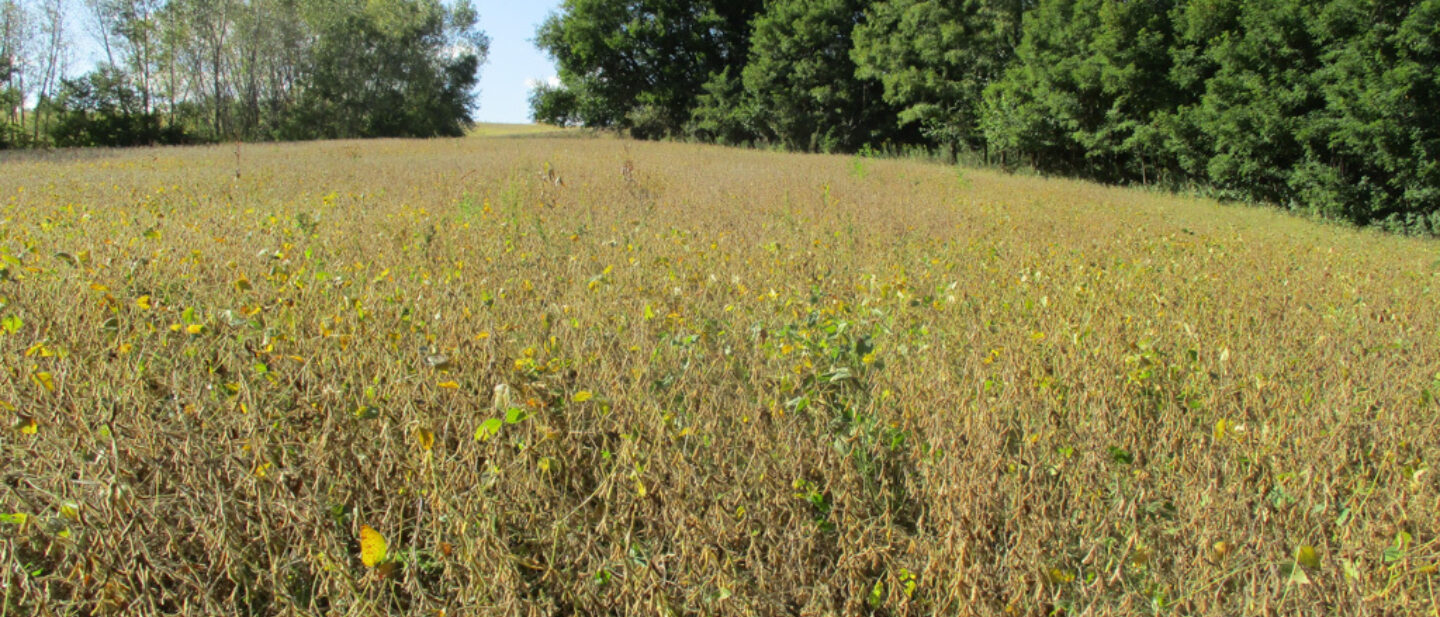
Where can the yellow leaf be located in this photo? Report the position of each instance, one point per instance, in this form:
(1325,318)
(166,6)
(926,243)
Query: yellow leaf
(583,395)
(449,385)
(1220,426)
(99,287)
(1220,550)
(372,546)
(143,302)
(639,488)
(426,439)
(1306,556)
(242,284)
(28,426)
(195,328)
(45,380)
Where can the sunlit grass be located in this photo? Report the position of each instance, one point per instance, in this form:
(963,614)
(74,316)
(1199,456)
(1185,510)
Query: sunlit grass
(586,376)
(490,129)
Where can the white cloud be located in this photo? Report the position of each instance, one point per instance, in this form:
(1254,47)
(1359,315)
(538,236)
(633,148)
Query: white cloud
(457,50)
(553,81)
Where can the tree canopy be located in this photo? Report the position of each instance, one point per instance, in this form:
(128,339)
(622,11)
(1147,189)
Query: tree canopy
(935,58)
(802,85)
(184,70)
(640,65)
(1326,107)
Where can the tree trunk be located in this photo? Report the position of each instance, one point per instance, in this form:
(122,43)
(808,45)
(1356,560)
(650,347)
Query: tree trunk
(216,77)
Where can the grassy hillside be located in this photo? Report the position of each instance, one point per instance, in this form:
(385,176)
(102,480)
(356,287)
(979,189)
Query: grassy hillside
(491,129)
(584,376)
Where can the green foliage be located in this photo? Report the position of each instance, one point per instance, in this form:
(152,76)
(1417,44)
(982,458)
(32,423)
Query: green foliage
(723,114)
(11,134)
(803,83)
(1087,89)
(186,70)
(935,58)
(640,66)
(103,109)
(1372,154)
(390,69)
(553,105)
(1256,102)
(1326,108)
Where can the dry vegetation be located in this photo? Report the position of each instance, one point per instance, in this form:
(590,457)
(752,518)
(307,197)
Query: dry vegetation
(566,376)
(518,130)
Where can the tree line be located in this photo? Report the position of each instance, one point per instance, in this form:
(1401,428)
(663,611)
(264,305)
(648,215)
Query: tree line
(176,71)
(1324,106)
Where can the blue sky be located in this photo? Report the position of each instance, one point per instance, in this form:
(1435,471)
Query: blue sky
(514,62)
